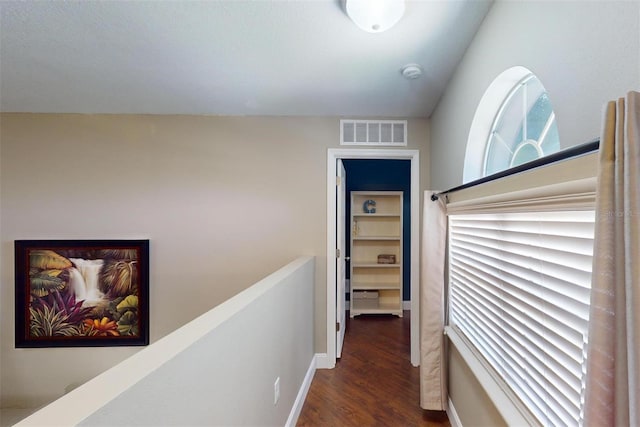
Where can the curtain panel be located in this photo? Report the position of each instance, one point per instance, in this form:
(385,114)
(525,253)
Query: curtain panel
(612,395)
(433,371)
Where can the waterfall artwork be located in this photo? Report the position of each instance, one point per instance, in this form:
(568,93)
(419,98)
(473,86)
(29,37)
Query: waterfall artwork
(82,293)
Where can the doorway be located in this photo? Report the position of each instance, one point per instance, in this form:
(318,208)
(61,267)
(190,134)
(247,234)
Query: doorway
(381,175)
(371,154)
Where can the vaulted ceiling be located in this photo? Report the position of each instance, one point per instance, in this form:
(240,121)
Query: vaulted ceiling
(227,57)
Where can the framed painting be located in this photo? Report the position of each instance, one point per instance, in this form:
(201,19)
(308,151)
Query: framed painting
(81,293)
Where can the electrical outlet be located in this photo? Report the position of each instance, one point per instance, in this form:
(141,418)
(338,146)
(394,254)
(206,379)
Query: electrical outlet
(276,391)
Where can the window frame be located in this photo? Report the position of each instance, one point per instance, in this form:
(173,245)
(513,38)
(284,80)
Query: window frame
(496,297)
(486,116)
(522,86)
(571,175)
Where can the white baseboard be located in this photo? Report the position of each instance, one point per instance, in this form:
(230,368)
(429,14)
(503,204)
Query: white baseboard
(322,361)
(406,305)
(454,419)
(302,394)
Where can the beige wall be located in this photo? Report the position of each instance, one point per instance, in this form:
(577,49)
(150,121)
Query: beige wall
(176,381)
(224,201)
(475,412)
(584,52)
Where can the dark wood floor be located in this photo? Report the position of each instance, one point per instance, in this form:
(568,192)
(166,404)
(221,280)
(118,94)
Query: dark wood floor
(373,383)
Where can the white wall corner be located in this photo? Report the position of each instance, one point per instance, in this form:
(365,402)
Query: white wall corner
(302,394)
(454,419)
(322,361)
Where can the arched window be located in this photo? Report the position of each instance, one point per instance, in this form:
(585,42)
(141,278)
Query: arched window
(514,124)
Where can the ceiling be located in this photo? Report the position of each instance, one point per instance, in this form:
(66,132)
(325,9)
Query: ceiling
(227,57)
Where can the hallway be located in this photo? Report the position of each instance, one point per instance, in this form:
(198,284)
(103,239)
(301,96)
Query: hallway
(373,383)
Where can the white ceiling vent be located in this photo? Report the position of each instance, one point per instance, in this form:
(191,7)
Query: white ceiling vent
(373,132)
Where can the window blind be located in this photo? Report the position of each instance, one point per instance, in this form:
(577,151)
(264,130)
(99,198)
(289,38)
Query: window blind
(519,291)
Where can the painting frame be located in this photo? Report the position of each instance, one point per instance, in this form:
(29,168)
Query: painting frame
(81,293)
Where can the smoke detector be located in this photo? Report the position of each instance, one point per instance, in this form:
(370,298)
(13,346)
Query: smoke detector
(411,71)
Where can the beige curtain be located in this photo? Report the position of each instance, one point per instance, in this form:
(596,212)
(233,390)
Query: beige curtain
(433,389)
(613,359)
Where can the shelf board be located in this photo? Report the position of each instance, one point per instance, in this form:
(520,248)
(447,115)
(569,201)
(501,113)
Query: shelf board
(379,215)
(389,238)
(376,265)
(374,286)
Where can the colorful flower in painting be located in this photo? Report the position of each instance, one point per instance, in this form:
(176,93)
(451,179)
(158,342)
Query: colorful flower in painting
(101,327)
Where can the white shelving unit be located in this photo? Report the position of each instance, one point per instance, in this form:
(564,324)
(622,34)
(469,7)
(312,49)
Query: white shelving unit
(376,284)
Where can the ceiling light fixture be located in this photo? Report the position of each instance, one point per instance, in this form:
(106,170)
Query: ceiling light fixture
(374,16)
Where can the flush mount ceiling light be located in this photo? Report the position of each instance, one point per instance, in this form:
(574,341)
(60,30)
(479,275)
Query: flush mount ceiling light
(374,16)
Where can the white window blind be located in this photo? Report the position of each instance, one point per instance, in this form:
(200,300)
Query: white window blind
(519,291)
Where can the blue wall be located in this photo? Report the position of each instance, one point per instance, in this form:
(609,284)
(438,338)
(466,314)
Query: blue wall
(384,175)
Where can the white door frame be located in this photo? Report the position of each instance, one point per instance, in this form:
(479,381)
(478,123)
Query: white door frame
(333,155)
(341,264)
